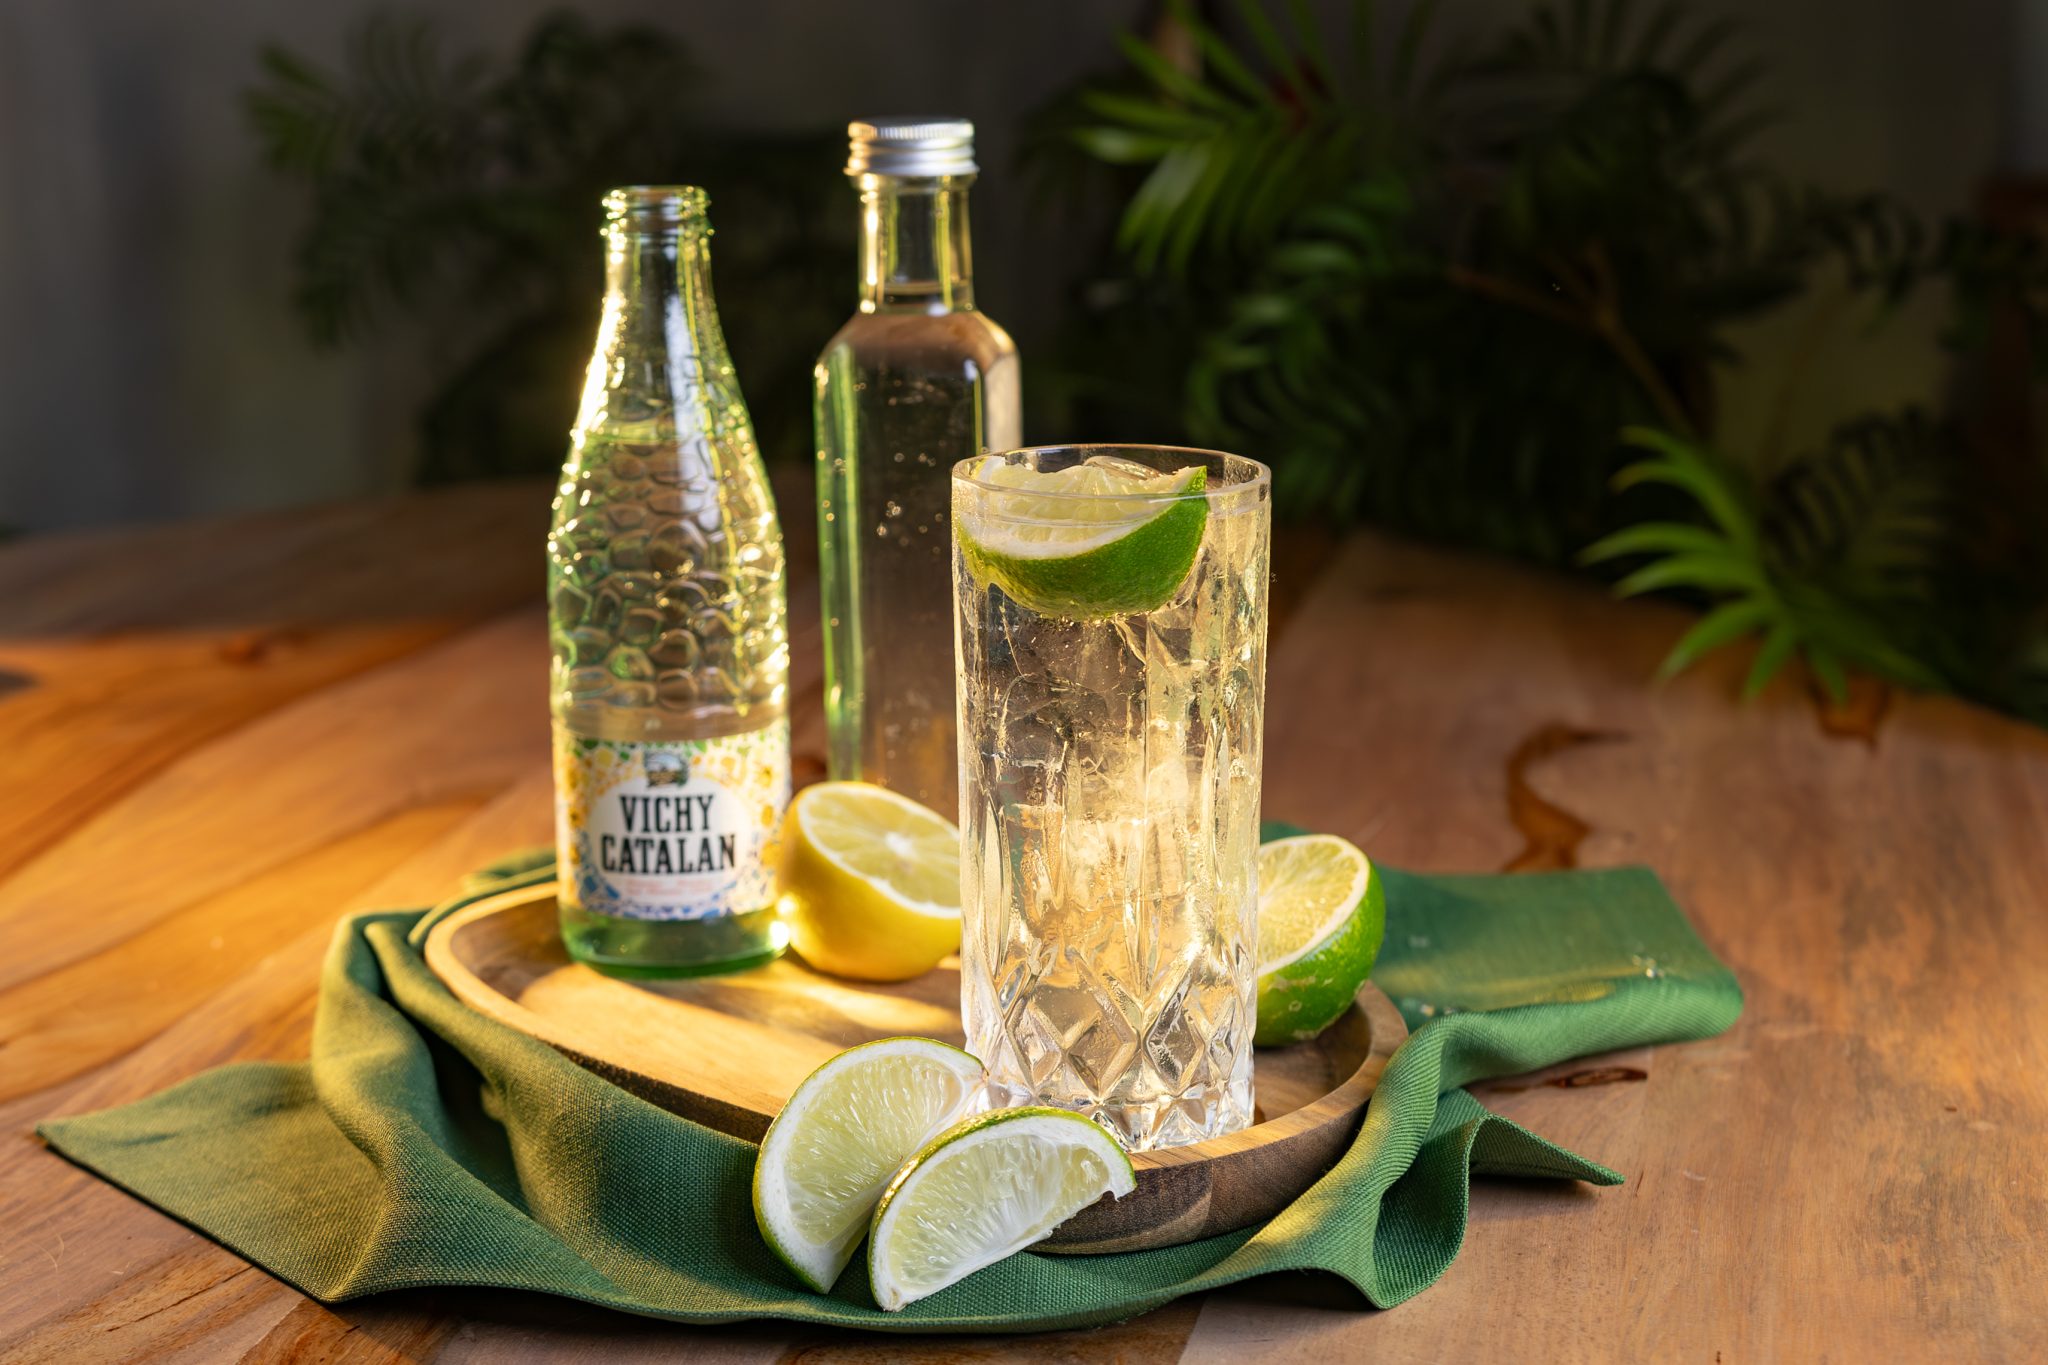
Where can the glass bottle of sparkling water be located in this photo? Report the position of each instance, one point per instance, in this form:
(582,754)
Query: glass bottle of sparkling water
(916,381)
(666,613)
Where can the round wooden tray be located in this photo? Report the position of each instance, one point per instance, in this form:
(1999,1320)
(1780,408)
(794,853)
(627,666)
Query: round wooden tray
(726,1051)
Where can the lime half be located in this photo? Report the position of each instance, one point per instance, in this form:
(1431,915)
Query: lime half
(839,1139)
(985,1189)
(873,881)
(1105,537)
(1322,914)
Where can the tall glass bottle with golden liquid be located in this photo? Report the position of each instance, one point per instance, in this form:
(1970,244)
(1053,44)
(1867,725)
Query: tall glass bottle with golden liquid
(666,613)
(916,380)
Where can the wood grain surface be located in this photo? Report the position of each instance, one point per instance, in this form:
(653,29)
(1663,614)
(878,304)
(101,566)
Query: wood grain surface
(728,1051)
(219,737)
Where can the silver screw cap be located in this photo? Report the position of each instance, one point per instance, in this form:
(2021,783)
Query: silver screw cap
(910,146)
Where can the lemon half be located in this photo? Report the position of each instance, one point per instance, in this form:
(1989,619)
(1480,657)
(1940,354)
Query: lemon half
(871,881)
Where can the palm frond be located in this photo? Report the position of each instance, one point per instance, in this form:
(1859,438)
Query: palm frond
(1434,284)
(458,184)
(1869,509)
(1739,563)
(1235,150)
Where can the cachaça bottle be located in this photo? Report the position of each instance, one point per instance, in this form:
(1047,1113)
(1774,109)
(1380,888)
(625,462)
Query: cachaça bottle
(666,614)
(916,381)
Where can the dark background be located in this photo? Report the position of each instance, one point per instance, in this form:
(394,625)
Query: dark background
(151,366)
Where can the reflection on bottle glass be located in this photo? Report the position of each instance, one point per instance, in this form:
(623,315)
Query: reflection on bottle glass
(916,380)
(666,615)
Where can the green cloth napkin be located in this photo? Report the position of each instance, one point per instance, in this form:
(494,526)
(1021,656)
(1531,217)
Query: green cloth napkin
(424,1144)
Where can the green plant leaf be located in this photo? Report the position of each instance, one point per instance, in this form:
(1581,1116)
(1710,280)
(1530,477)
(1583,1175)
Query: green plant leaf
(1725,623)
(1173,121)
(1651,537)
(1122,147)
(1221,59)
(1777,647)
(1718,570)
(1171,79)
(1686,467)
(1828,669)
(1433,296)
(1845,634)
(459,186)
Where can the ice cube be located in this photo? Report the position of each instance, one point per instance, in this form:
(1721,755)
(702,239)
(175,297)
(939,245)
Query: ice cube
(1105,661)
(1129,469)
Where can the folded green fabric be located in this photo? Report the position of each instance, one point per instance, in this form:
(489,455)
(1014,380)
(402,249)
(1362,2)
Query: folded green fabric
(424,1144)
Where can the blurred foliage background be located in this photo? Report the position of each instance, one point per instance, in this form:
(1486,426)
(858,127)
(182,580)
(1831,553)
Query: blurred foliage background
(439,179)
(1469,279)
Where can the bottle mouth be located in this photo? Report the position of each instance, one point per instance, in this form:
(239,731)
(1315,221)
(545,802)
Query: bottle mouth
(642,207)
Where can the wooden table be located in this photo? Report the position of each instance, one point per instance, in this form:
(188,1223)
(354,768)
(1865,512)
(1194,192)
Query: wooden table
(217,738)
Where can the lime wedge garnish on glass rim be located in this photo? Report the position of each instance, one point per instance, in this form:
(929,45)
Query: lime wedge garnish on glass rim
(1101,538)
(984,1189)
(841,1137)
(1322,914)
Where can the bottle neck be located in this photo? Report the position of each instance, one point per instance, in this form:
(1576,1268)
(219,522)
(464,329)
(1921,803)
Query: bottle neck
(660,367)
(914,245)
(657,290)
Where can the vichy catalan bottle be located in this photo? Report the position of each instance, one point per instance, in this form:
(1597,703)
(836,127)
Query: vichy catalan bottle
(666,615)
(916,381)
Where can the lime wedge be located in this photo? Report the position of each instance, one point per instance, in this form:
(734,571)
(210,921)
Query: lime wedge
(872,880)
(833,1148)
(1105,537)
(984,1189)
(1322,914)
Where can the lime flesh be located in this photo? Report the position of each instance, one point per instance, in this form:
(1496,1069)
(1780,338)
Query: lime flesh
(1322,915)
(842,1136)
(983,1190)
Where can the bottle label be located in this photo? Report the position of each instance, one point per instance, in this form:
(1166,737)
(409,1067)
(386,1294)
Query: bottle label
(682,830)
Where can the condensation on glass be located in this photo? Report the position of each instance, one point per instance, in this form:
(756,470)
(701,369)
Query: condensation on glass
(916,380)
(1110,829)
(666,614)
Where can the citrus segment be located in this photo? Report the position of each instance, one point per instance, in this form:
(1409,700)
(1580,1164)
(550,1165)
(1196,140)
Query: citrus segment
(871,881)
(841,1137)
(1322,915)
(983,1190)
(1106,537)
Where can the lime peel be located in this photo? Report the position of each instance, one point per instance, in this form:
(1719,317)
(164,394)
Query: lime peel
(821,1171)
(1322,916)
(996,1183)
(1085,542)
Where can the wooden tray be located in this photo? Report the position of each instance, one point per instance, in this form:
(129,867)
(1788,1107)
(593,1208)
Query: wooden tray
(727,1051)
